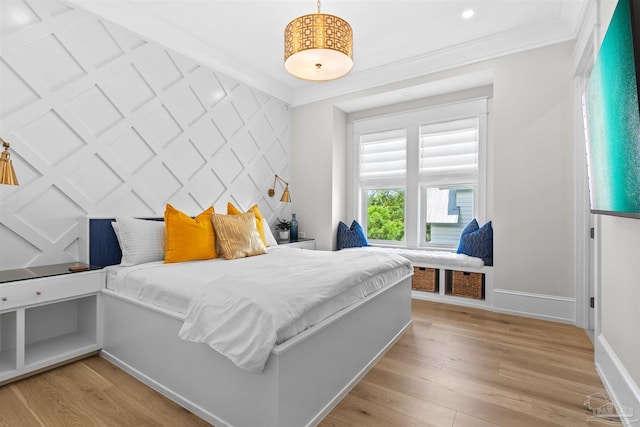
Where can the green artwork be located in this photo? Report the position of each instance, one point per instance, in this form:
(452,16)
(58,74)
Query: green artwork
(614,121)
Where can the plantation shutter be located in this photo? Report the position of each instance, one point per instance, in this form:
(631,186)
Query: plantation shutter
(449,152)
(383,158)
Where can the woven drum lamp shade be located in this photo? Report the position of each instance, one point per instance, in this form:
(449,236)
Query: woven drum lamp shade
(318,47)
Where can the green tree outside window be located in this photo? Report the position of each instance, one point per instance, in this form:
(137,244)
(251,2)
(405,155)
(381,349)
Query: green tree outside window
(385,212)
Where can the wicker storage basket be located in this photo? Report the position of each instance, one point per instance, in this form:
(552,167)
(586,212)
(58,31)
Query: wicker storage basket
(466,284)
(425,279)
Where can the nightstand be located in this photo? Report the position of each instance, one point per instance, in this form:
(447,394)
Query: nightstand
(301,243)
(48,315)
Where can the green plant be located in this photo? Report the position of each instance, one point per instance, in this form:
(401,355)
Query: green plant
(385,212)
(283,224)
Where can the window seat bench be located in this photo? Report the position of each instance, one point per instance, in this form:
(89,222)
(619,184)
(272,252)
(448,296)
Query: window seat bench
(447,276)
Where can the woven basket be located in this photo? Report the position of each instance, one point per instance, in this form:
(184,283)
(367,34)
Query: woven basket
(425,279)
(466,284)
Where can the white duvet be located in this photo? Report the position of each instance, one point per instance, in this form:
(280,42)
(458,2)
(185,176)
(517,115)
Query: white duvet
(243,308)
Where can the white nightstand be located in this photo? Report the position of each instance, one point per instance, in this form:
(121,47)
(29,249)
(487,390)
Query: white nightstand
(301,243)
(48,315)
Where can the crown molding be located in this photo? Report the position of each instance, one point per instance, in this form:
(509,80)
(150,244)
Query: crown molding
(522,39)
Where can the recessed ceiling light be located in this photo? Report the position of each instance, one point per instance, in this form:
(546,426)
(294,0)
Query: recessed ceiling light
(468,14)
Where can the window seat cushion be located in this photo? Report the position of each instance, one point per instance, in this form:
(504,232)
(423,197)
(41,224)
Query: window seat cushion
(434,258)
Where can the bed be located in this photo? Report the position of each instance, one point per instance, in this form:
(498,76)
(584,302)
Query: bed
(304,377)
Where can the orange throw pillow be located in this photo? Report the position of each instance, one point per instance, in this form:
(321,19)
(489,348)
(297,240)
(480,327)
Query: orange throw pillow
(188,239)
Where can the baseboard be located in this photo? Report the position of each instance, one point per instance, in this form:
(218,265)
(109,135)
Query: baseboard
(540,306)
(622,390)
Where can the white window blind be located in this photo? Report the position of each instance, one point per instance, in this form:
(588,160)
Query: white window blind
(383,158)
(449,151)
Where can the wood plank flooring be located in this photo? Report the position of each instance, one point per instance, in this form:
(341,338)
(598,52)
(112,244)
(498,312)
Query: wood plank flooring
(455,367)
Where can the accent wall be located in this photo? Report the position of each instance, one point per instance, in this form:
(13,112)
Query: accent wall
(102,122)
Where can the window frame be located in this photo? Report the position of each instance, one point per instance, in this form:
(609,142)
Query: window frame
(415,190)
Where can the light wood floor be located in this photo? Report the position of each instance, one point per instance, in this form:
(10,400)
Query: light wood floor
(455,367)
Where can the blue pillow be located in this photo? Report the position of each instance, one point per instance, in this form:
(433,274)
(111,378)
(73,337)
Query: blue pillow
(478,244)
(470,228)
(351,237)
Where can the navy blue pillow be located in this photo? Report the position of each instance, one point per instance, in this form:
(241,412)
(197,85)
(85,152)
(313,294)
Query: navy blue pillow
(470,228)
(351,237)
(479,243)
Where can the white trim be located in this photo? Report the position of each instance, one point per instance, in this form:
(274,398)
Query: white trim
(484,49)
(624,392)
(583,58)
(540,306)
(411,120)
(451,299)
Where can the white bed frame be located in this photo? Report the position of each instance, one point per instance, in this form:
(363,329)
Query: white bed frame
(304,378)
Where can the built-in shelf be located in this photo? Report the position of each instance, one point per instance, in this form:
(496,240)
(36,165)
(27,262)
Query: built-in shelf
(48,320)
(7,342)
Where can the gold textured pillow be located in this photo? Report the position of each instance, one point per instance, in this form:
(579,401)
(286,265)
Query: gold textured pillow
(237,235)
(188,239)
(260,221)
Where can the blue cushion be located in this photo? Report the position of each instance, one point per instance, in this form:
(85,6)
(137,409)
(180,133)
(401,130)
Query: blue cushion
(351,237)
(470,228)
(478,243)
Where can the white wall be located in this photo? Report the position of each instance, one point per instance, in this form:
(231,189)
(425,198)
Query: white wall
(532,152)
(315,173)
(617,341)
(620,289)
(530,169)
(102,122)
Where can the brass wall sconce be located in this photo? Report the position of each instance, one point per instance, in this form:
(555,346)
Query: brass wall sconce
(286,197)
(7,173)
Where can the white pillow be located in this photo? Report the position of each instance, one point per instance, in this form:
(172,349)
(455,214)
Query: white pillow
(140,240)
(268,235)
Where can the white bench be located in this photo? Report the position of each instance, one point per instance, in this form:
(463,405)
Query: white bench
(445,261)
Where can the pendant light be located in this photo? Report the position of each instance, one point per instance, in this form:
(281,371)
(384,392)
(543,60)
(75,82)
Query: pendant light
(318,47)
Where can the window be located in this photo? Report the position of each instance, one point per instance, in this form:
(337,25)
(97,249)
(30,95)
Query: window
(420,175)
(383,171)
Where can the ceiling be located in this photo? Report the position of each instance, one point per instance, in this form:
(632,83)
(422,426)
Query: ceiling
(393,40)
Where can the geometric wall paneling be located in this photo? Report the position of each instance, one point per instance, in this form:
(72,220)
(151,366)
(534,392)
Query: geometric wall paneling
(227,119)
(103,122)
(16,15)
(157,67)
(226,165)
(60,220)
(131,150)
(15,93)
(50,61)
(94,110)
(90,43)
(50,137)
(157,126)
(183,104)
(245,102)
(125,39)
(128,89)
(15,250)
(207,86)
(206,136)
(244,146)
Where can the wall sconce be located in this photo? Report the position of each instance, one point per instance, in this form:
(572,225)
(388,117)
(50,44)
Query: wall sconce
(286,197)
(7,174)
